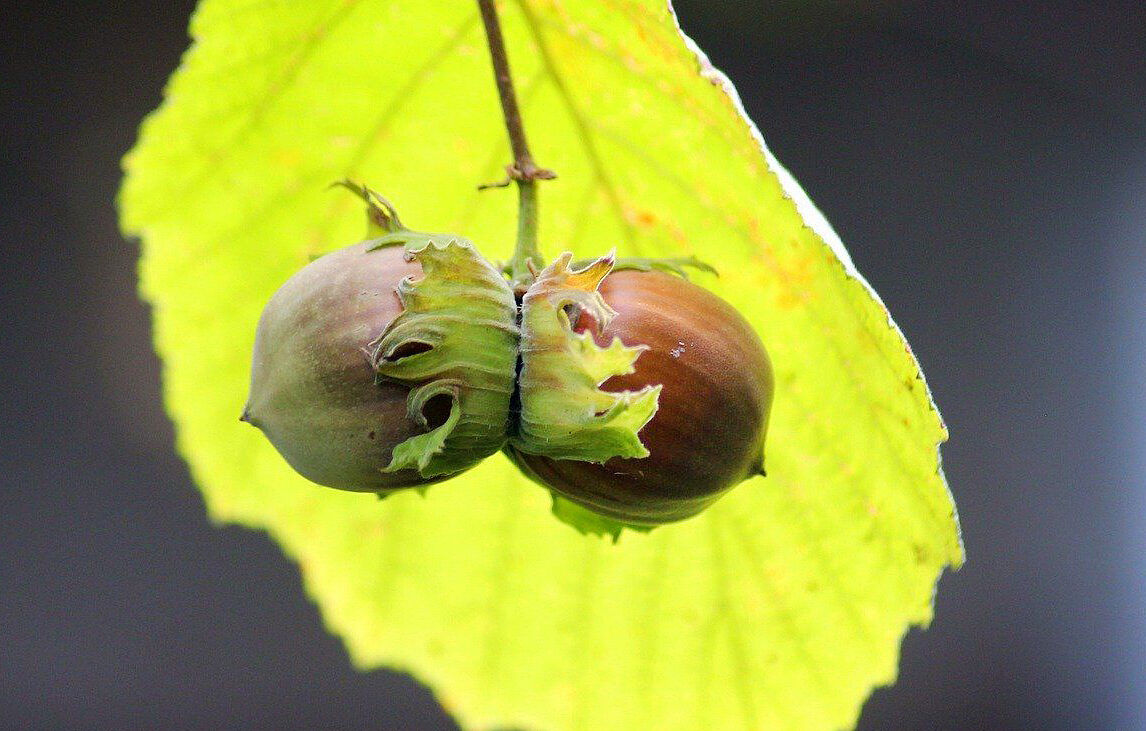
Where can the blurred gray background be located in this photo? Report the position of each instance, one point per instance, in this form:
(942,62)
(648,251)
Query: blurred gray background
(984,162)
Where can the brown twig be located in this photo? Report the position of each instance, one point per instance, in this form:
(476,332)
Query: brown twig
(523,170)
(523,167)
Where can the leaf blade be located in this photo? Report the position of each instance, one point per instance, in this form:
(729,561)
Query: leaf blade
(822,565)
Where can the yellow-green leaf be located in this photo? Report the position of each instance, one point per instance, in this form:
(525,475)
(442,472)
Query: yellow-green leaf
(779,607)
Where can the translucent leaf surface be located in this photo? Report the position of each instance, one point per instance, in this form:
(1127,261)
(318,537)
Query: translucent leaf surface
(781,606)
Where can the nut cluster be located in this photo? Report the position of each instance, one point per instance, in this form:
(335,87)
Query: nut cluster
(635,396)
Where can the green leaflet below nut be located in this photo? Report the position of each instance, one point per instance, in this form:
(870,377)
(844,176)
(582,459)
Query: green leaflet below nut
(455,338)
(587,522)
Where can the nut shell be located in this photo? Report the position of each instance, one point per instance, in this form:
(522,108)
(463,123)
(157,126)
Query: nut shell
(708,433)
(313,390)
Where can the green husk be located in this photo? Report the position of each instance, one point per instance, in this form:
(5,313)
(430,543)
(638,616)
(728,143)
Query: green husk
(564,413)
(457,338)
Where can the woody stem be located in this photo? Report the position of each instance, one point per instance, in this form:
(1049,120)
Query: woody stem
(523,170)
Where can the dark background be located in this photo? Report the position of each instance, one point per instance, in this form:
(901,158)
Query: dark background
(984,162)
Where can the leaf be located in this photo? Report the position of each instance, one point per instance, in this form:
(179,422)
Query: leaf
(779,607)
